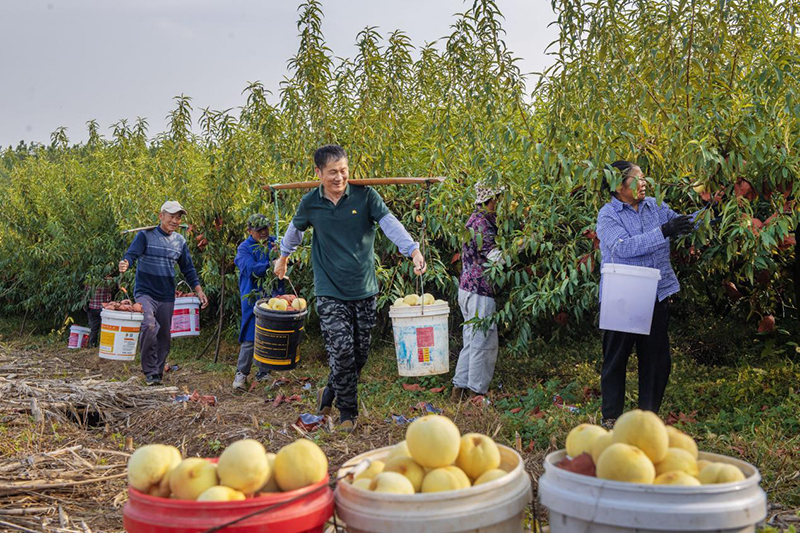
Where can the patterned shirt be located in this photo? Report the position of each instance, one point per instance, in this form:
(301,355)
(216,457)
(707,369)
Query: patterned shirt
(632,237)
(99,296)
(484,225)
(157,253)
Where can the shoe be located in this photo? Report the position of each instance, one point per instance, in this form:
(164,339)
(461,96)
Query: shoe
(240,382)
(457,394)
(348,425)
(324,401)
(151,381)
(263,378)
(608,423)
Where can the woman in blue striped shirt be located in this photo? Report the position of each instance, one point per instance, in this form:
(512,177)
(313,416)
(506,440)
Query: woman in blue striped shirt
(635,229)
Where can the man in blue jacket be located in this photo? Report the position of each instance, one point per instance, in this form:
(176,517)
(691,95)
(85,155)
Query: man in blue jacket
(252,259)
(157,251)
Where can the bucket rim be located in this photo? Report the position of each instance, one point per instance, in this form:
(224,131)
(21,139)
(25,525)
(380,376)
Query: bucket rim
(266,498)
(81,329)
(754,479)
(442,496)
(122,315)
(414,311)
(631,270)
(184,300)
(278,314)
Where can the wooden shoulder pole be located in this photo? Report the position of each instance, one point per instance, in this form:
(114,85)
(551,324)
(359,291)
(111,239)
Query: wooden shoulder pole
(361,182)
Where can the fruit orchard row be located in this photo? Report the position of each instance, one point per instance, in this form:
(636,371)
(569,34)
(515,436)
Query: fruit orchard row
(703,96)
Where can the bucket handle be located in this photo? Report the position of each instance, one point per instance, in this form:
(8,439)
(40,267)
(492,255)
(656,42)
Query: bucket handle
(291,285)
(121,289)
(184,282)
(613,263)
(421,284)
(422,242)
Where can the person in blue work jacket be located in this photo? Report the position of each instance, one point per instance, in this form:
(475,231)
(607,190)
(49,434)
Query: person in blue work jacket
(252,259)
(634,229)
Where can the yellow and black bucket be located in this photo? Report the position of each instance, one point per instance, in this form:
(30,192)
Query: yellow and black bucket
(278,336)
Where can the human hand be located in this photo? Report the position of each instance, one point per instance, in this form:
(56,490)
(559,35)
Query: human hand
(202,295)
(678,226)
(419,263)
(280,266)
(123,266)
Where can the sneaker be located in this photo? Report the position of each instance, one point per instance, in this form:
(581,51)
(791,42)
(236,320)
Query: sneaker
(608,423)
(324,401)
(263,378)
(348,425)
(151,381)
(457,394)
(240,382)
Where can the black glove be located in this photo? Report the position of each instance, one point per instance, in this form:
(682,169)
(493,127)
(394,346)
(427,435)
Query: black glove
(677,226)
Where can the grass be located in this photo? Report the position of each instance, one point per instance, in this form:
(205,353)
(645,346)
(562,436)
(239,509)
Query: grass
(735,393)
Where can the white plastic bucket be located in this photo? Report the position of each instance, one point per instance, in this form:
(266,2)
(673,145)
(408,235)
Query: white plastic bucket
(421,342)
(185,317)
(579,503)
(119,334)
(78,337)
(494,507)
(628,298)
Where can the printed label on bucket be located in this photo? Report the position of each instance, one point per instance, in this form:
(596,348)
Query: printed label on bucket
(118,341)
(275,343)
(424,344)
(129,344)
(73,340)
(422,350)
(425,337)
(182,320)
(106,340)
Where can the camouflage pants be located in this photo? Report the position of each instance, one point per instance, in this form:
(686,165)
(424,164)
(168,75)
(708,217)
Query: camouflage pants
(347,330)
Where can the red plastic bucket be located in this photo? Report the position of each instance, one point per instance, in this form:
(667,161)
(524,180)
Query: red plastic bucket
(149,514)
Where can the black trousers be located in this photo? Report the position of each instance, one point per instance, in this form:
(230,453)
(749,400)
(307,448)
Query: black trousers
(94,326)
(652,352)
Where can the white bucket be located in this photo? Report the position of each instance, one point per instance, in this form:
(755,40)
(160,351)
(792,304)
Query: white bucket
(119,334)
(185,317)
(580,503)
(629,296)
(78,337)
(422,342)
(494,507)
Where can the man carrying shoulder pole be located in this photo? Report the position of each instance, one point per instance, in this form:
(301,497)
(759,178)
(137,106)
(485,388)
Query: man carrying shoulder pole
(342,255)
(157,251)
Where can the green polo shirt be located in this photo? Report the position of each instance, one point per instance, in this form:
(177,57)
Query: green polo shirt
(342,247)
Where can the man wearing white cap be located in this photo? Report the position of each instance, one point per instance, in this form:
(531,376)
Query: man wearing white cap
(158,250)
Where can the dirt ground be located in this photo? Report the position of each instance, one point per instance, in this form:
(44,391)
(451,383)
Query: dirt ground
(63,461)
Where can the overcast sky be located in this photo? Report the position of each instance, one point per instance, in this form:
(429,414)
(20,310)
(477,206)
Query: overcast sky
(65,62)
